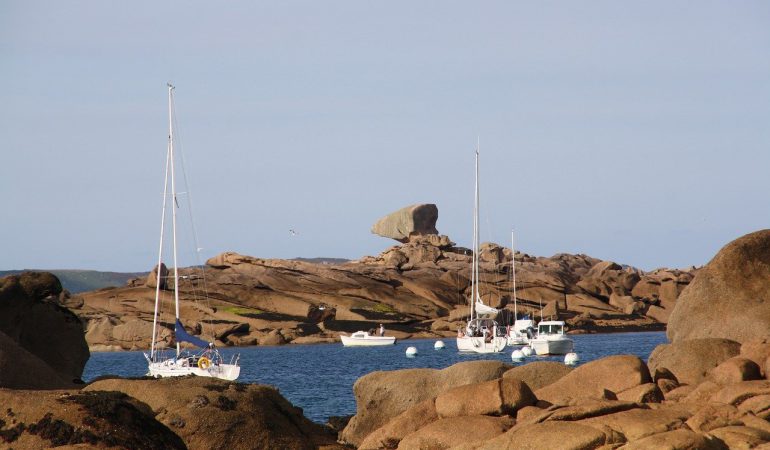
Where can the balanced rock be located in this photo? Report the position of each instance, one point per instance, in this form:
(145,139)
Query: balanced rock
(413,220)
(728,298)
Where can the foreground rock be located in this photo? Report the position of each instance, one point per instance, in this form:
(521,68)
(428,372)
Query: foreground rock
(209,413)
(602,404)
(47,419)
(37,335)
(690,361)
(382,396)
(176,413)
(730,297)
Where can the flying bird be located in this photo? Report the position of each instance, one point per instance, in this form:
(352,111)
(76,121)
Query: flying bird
(293,233)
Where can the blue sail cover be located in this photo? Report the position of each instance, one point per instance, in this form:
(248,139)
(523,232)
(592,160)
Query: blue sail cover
(183,336)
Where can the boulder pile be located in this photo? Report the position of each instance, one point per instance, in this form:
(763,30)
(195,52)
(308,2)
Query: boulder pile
(608,403)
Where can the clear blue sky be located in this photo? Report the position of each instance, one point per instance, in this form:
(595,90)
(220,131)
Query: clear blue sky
(632,131)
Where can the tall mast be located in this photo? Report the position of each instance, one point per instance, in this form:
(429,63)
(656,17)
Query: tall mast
(160,245)
(475,289)
(174,205)
(513,271)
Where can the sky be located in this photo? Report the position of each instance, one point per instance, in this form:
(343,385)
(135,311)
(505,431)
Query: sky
(637,132)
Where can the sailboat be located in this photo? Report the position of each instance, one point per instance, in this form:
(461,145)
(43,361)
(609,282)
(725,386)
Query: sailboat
(481,332)
(206,361)
(523,329)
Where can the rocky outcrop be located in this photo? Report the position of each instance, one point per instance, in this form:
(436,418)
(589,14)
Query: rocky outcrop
(38,335)
(417,289)
(410,221)
(209,413)
(730,297)
(607,403)
(71,419)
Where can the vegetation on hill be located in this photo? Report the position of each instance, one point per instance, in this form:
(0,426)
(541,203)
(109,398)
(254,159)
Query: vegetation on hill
(77,281)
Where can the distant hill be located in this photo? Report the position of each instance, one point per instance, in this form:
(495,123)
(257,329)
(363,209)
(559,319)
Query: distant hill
(331,261)
(77,281)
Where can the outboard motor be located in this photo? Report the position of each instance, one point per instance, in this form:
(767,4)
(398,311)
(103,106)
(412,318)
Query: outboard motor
(530,333)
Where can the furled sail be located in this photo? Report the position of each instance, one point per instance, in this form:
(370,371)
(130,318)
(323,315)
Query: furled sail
(182,335)
(484,311)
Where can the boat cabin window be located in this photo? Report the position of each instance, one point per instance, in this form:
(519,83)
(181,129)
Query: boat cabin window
(550,329)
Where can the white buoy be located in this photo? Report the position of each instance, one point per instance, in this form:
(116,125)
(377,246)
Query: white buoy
(517,355)
(438,345)
(526,351)
(571,359)
(411,351)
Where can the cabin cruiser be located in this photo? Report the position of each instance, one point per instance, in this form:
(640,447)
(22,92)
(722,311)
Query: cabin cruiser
(363,339)
(550,339)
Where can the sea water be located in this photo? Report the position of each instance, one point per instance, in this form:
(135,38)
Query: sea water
(319,378)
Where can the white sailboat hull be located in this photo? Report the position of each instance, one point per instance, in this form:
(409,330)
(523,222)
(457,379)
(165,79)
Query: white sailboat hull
(178,368)
(552,345)
(479,345)
(362,339)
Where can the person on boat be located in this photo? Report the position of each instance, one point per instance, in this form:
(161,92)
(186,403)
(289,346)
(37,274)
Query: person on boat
(486,334)
(382,330)
(460,333)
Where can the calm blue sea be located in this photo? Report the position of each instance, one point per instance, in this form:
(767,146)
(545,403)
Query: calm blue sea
(319,378)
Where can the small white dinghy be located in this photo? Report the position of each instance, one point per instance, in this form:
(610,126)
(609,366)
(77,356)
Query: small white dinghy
(362,339)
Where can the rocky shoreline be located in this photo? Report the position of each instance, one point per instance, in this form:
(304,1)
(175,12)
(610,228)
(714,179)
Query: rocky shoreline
(418,289)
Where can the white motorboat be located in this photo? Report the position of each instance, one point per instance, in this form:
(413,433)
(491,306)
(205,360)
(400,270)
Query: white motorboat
(523,329)
(482,334)
(364,339)
(550,339)
(206,361)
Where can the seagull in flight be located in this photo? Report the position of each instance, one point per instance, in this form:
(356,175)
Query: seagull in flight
(293,233)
